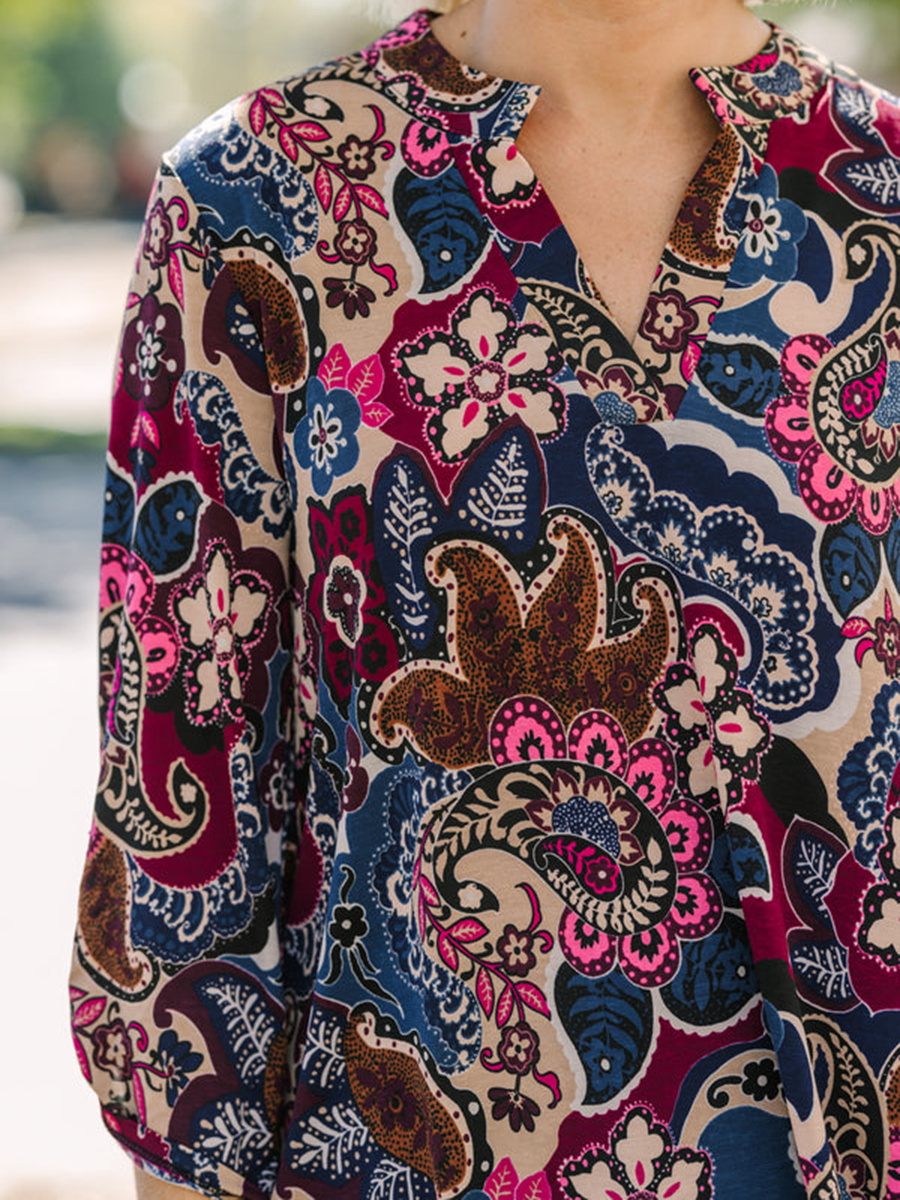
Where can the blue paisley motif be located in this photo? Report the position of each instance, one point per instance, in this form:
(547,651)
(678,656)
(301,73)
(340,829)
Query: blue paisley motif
(177,925)
(729,548)
(118,513)
(867,773)
(166,531)
(716,979)
(249,490)
(274,198)
(612,1025)
(449,1013)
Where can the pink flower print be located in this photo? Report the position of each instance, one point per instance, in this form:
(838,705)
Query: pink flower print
(485,369)
(639,1164)
(842,435)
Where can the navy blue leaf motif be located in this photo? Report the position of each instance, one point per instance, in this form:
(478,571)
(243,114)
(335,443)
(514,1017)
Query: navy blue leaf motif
(716,978)
(118,512)
(611,1023)
(406,514)
(854,105)
(331,1143)
(324,1067)
(167,526)
(875,180)
(742,376)
(823,967)
(747,858)
(814,858)
(850,565)
(498,494)
(443,223)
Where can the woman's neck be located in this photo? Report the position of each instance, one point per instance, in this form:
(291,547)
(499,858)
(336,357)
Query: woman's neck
(609,56)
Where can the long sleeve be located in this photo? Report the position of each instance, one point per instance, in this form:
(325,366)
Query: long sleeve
(180,1012)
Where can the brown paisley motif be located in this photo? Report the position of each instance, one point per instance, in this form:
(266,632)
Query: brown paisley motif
(552,637)
(699,234)
(275,1077)
(890,1085)
(437,69)
(409,1110)
(280,327)
(101,932)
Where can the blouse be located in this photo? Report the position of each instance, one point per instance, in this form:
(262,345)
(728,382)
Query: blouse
(500,790)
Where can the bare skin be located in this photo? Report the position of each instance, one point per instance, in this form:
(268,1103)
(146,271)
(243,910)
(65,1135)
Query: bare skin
(618,130)
(615,91)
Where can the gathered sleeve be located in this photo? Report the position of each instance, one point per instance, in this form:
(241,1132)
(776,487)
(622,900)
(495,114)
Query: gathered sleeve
(182,1013)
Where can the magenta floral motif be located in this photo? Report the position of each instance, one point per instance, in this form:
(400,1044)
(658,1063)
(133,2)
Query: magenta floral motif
(221,614)
(425,149)
(882,638)
(827,488)
(356,640)
(638,1163)
(527,727)
(338,179)
(515,947)
(120,1051)
(355,241)
(123,576)
(668,321)
(357,156)
(157,235)
(501,989)
(482,370)
(112,1049)
(519,1048)
(153,349)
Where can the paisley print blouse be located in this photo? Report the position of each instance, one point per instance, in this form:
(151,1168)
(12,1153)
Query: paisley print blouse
(500,793)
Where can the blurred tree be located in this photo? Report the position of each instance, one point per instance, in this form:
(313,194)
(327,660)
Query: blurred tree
(59,69)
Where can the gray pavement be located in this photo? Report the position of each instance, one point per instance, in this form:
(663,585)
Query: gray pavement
(61,290)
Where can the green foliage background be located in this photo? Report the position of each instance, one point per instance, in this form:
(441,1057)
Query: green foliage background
(61,62)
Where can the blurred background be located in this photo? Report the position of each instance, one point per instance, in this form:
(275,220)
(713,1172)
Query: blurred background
(91,92)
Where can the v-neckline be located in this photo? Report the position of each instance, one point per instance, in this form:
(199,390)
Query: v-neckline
(422,76)
(693,202)
(684,295)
